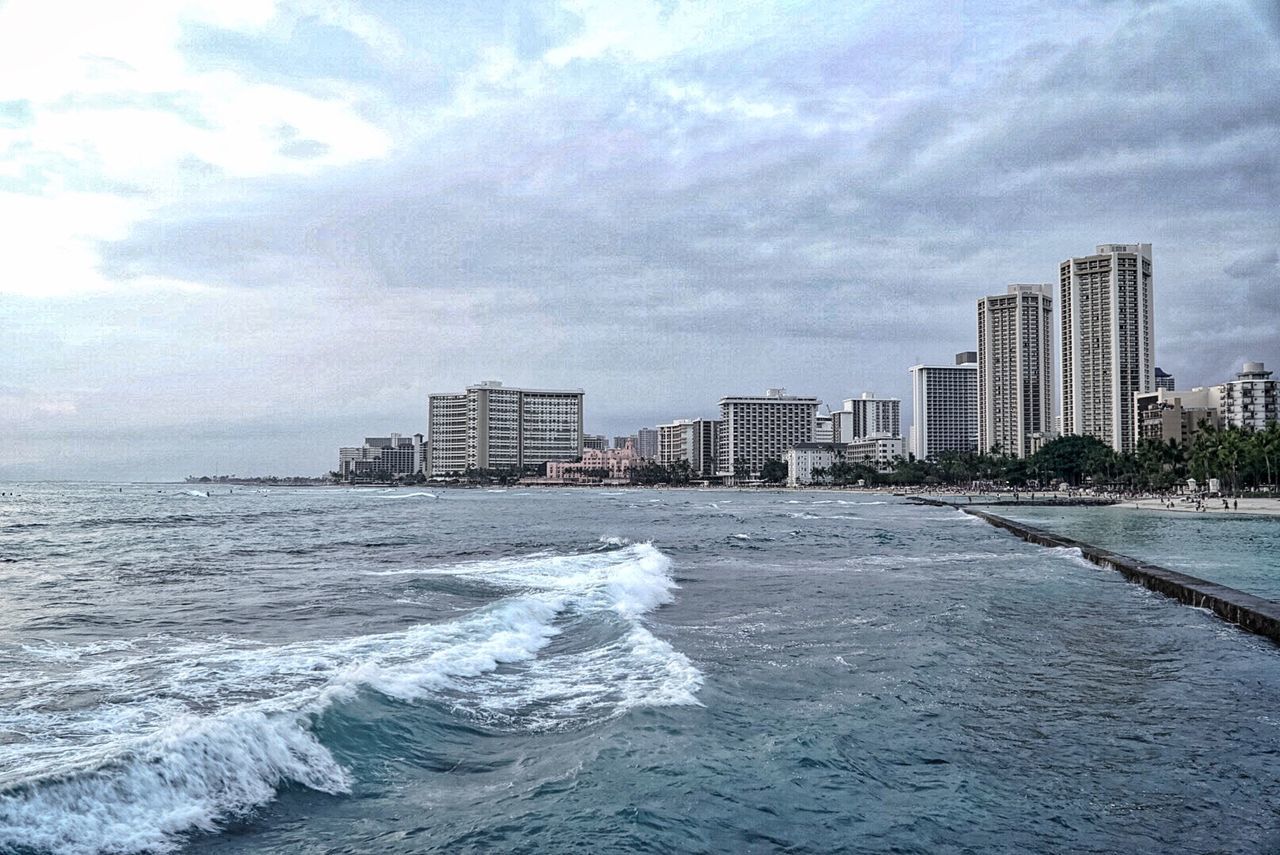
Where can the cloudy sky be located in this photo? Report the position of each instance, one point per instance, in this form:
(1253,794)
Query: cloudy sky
(238,234)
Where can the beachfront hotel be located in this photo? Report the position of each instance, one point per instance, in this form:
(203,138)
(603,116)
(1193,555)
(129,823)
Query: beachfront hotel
(866,416)
(694,440)
(944,400)
(491,426)
(1108,341)
(1252,400)
(1015,369)
(382,456)
(755,429)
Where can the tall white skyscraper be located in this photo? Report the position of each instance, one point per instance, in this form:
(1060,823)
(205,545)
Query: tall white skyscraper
(1015,369)
(944,399)
(1108,340)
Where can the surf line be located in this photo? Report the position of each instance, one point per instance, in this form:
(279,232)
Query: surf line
(1234,606)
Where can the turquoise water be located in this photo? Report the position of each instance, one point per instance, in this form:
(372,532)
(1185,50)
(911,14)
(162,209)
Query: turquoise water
(1239,551)
(407,671)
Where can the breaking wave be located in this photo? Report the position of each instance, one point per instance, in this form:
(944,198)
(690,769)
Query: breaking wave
(189,734)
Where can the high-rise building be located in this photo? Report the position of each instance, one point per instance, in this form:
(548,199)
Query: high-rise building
(1015,369)
(757,429)
(1108,341)
(944,399)
(595,441)
(491,426)
(1164,381)
(1252,400)
(624,441)
(382,456)
(647,443)
(694,440)
(866,417)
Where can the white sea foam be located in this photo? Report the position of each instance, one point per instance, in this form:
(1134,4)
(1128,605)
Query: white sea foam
(408,496)
(193,732)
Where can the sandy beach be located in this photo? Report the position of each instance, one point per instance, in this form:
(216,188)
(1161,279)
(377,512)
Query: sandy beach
(1252,507)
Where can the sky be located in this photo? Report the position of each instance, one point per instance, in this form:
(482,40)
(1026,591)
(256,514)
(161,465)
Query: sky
(237,234)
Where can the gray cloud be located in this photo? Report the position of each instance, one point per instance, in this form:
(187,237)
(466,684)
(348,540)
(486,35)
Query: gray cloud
(817,206)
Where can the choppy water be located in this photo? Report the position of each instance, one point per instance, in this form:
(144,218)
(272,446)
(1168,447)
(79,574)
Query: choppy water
(608,671)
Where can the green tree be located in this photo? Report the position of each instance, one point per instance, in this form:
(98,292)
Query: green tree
(774,471)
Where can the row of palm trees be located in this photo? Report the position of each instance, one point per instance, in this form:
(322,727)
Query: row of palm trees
(1242,460)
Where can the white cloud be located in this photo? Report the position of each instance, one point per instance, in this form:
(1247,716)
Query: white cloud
(117,118)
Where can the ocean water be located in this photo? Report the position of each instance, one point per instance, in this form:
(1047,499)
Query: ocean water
(1230,549)
(405,671)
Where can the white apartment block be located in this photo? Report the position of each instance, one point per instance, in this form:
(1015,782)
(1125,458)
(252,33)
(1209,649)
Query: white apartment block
(866,416)
(944,399)
(878,452)
(1015,369)
(1252,400)
(1108,341)
(694,440)
(491,426)
(804,459)
(758,429)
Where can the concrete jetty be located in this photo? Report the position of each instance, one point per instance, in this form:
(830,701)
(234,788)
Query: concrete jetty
(1234,606)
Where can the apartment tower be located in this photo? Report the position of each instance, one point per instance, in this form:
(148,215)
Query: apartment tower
(1108,341)
(1015,369)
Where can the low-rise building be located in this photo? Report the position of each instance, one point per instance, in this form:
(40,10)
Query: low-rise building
(811,462)
(382,457)
(1166,414)
(607,466)
(807,460)
(878,452)
(597,441)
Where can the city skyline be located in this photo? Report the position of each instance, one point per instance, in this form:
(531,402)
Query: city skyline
(233,226)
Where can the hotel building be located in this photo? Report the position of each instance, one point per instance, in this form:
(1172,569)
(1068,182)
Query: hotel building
(1165,380)
(1165,415)
(382,456)
(491,426)
(1015,369)
(694,440)
(1251,400)
(944,399)
(757,429)
(1108,341)
(866,416)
